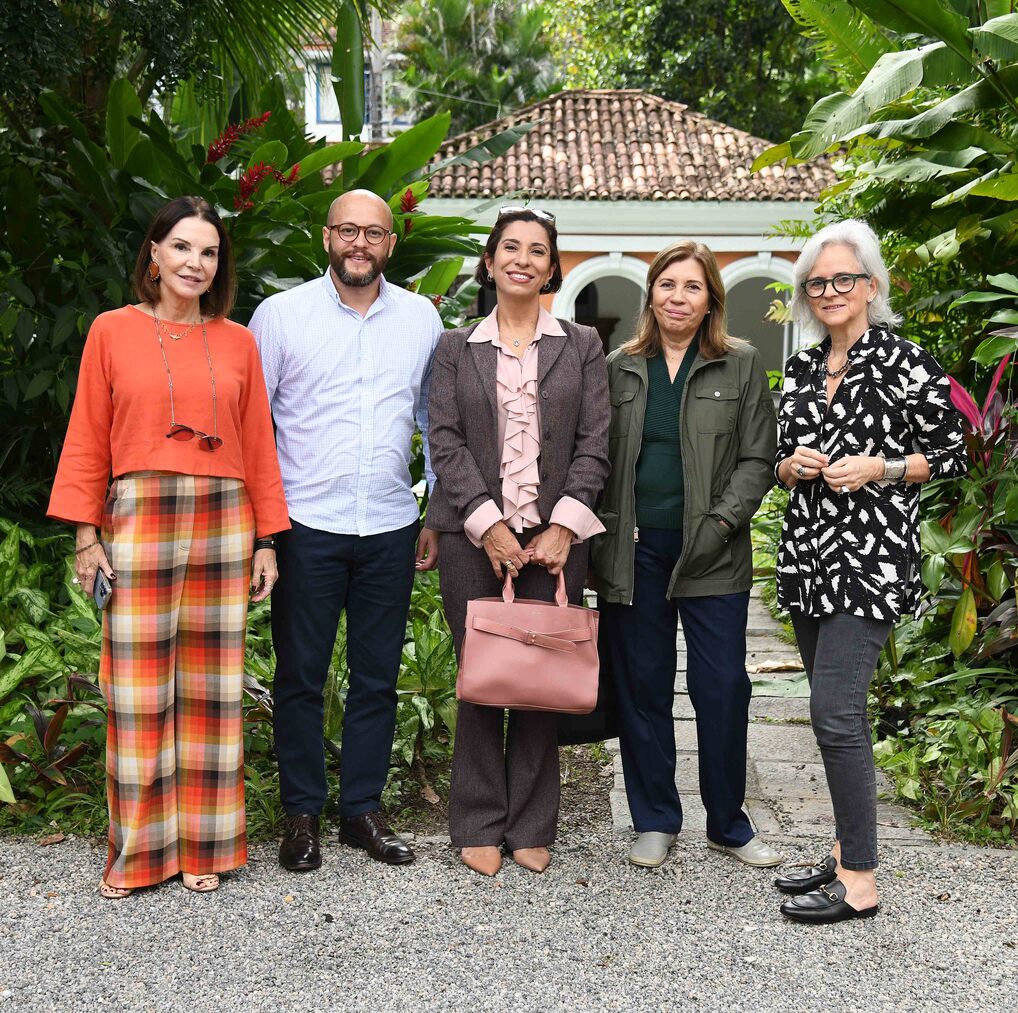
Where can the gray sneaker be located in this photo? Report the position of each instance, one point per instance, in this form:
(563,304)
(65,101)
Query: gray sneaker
(650,849)
(754,852)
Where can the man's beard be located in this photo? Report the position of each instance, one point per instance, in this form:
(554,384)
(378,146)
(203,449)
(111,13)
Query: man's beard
(357,280)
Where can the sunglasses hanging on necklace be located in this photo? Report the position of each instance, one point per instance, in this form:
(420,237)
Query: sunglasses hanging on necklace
(178,431)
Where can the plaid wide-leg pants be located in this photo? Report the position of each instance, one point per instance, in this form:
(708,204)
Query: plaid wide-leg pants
(172,670)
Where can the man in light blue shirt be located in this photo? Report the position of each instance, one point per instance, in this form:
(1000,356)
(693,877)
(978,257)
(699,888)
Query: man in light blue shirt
(347,362)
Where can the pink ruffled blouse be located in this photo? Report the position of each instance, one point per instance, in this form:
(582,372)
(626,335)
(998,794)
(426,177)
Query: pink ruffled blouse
(519,433)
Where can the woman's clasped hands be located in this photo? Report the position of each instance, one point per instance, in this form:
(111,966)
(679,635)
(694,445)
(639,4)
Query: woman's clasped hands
(504,549)
(847,474)
(549,549)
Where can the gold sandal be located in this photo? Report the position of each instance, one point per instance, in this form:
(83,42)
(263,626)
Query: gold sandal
(114,892)
(200,884)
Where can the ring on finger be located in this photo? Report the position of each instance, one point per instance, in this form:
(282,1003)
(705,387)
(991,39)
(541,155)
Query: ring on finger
(801,471)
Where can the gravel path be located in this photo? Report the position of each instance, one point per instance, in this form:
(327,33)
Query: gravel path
(703,933)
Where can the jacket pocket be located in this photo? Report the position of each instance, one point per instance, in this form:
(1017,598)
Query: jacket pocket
(716,408)
(622,410)
(711,550)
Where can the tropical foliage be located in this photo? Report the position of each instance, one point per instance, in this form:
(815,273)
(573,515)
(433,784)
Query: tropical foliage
(924,136)
(222,52)
(52,716)
(742,62)
(475,59)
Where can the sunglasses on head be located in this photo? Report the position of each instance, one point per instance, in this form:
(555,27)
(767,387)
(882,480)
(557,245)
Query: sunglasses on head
(515,209)
(183,433)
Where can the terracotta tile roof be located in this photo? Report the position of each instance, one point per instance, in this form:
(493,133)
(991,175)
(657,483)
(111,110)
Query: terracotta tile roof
(624,145)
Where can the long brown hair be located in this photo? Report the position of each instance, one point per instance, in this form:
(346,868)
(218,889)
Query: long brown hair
(714,338)
(218,300)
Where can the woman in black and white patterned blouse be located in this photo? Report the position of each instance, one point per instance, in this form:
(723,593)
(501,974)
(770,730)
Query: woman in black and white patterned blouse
(865,418)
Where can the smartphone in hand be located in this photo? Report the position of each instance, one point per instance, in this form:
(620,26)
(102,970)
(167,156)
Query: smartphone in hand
(102,590)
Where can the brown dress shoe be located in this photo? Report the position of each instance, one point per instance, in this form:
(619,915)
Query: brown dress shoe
(370,832)
(485,860)
(535,859)
(300,850)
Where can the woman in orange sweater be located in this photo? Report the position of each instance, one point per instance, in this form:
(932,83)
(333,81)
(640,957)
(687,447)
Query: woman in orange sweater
(171,402)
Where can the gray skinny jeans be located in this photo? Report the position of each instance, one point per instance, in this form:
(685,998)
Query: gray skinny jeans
(840,653)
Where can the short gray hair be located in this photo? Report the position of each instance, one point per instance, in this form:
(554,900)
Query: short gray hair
(864,243)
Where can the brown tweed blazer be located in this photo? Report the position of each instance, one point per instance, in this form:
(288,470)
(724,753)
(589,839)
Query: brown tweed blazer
(463,423)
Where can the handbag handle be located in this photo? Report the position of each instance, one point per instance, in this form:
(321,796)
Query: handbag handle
(561,597)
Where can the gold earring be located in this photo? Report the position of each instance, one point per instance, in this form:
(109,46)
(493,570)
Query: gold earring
(153,271)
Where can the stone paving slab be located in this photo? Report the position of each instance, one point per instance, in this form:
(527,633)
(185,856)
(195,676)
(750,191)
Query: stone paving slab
(790,709)
(812,817)
(766,741)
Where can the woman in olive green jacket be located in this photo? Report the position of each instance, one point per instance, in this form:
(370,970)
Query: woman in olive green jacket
(691,443)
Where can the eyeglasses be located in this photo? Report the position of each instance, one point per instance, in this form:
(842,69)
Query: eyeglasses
(178,431)
(349,232)
(515,209)
(842,283)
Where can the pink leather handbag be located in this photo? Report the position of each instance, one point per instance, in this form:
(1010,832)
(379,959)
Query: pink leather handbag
(529,655)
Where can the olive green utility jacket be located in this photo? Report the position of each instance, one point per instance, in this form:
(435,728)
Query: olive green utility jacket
(729,432)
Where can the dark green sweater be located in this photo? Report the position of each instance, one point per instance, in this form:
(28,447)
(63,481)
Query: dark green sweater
(659,469)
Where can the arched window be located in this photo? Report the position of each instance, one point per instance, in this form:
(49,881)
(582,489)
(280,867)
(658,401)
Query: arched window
(748,299)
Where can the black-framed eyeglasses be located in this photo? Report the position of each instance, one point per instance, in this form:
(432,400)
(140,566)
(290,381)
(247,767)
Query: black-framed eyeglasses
(515,209)
(349,232)
(842,284)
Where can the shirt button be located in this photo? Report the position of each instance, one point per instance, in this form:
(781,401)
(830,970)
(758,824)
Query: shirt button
(717,393)
(544,394)
(544,476)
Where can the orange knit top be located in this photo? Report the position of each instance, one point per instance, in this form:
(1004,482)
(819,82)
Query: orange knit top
(121,415)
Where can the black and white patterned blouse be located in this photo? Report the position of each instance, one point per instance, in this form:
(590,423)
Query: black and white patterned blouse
(858,552)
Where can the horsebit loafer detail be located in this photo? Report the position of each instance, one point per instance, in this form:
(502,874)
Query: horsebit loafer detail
(808,880)
(370,832)
(300,850)
(754,852)
(823,906)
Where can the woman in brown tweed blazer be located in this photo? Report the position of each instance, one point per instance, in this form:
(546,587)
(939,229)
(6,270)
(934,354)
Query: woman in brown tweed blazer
(519,418)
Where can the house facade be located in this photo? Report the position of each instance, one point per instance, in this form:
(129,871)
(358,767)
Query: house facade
(625,174)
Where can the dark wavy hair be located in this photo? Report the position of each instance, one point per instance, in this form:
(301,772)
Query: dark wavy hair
(495,237)
(218,300)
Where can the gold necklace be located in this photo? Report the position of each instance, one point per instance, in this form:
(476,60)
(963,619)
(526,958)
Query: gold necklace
(165,327)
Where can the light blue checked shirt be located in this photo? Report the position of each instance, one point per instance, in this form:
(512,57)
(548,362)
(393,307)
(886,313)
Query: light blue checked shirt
(346,392)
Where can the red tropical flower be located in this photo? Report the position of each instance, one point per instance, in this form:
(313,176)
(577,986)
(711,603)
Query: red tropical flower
(248,183)
(408,202)
(221,146)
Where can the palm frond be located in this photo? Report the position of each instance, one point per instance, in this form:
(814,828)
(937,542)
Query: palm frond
(257,41)
(847,40)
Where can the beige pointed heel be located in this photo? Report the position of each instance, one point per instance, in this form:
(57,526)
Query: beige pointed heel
(487,861)
(534,859)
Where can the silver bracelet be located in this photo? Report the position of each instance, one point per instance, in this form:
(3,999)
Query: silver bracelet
(895,469)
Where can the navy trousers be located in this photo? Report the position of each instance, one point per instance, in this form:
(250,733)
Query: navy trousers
(641,640)
(320,575)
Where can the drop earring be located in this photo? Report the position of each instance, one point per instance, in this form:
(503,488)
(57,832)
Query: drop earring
(153,271)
